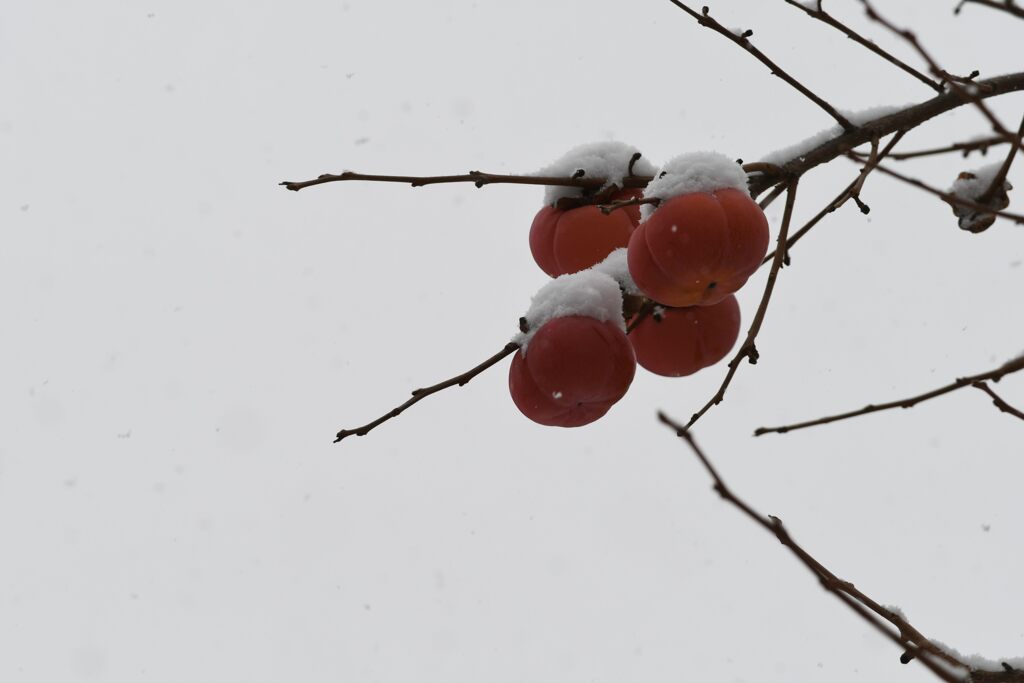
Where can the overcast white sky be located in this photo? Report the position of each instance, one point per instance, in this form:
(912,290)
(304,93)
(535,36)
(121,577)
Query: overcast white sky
(181,339)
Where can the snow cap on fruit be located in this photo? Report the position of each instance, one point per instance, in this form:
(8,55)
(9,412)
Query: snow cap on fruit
(617,267)
(694,172)
(609,160)
(588,293)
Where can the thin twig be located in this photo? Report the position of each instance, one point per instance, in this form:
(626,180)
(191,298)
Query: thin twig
(748,350)
(823,16)
(478,178)
(951,198)
(772,196)
(965,148)
(1000,177)
(705,19)
(623,203)
(993,375)
(762,176)
(912,641)
(998,401)
(420,394)
(1007,6)
(646,309)
(904,119)
(858,184)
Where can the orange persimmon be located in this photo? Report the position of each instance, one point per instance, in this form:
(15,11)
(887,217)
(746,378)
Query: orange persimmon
(696,249)
(675,342)
(570,240)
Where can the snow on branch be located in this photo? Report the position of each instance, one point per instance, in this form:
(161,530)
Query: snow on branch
(611,161)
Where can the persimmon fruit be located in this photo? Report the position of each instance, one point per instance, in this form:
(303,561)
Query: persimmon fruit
(698,248)
(675,342)
(572,371)
(569,240)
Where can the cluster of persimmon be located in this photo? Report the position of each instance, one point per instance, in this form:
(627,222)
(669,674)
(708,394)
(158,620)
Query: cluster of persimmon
(665,270)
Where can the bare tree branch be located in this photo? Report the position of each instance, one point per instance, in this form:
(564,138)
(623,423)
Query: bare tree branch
(823,16)
(478,178)
(1007,6)
(994,375)
(998,401)
(748,350)
(842,197)
(762,176)
(912,641)
(965,148)
(705,19)
(905,119)
(968,93)
(419,394)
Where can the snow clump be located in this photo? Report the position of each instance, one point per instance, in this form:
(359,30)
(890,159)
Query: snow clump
(615,265)
(608,160)
(978,662)
(588,293)
(694,172)
(971,185)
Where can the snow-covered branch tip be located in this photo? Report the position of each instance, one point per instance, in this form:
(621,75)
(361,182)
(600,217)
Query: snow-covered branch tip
(822,148)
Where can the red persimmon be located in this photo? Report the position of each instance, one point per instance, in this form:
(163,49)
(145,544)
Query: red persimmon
(696,249)
(573,370)
(567,241)
(676,342)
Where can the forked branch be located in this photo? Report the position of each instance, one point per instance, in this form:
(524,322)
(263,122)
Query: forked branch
(998,401)
(851,191)
(995,375)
